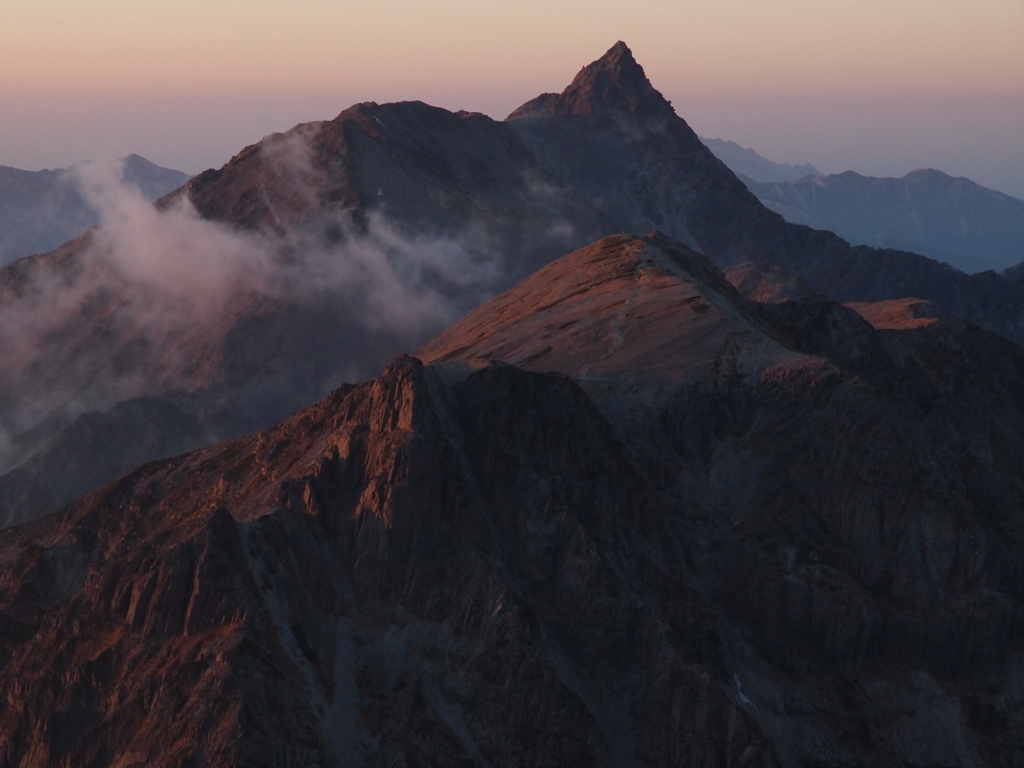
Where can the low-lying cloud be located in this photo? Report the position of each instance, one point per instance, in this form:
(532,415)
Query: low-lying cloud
(155,299)
(173,253)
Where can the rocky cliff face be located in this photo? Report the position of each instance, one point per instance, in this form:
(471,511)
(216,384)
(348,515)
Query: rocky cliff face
(624,517)
(406,574)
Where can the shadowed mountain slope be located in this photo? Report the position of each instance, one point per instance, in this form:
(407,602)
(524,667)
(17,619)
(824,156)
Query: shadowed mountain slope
(826,456)
(693,530)
(358,587)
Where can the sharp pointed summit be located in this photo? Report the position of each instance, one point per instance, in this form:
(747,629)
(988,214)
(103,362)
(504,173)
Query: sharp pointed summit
(613,83)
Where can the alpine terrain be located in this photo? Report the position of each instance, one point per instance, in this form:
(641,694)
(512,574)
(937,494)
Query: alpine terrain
(318,254)
(713,489)
(622,516)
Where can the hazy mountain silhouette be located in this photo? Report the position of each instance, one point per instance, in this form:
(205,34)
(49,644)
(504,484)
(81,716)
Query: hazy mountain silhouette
(746,162)
(39,210)
(949,219)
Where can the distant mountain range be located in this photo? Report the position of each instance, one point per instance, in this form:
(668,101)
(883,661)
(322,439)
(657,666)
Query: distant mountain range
(950,219)
(39,210)
(744,161)
(953,220)
(661,501)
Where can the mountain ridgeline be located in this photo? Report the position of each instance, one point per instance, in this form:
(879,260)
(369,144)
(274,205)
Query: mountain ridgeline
(662,501)
(952,220)
(39,210)
(318,254)
(621,517)
(748,164)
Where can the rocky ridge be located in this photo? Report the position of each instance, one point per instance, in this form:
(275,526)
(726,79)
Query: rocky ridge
(358,587)
(609,523)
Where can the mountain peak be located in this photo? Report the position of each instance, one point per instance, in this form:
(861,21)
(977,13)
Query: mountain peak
(618,52)
(624,314)
(613,83)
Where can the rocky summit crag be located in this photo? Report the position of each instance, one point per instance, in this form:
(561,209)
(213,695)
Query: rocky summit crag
(623,516)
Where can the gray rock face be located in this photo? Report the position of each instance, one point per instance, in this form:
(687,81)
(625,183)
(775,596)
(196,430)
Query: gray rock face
(686,530)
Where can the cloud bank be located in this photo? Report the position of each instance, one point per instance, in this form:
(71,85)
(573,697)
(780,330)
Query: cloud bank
(159,299)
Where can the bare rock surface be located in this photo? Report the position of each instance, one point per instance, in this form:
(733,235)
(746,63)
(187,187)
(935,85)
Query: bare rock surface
(696,530)
(404,574)
(766,283)
(822,453)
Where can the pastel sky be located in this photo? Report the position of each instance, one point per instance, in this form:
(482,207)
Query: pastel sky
(880,87)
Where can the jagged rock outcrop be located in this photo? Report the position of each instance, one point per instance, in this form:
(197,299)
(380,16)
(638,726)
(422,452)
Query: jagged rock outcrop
(768,283)
(611,86)
(406,574)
